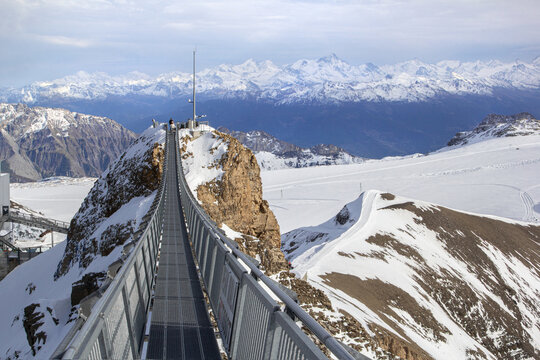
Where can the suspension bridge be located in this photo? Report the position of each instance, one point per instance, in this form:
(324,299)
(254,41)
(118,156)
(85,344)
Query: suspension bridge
(185,291)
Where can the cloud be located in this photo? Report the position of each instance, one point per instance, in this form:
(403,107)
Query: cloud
(179,25)
(65,41)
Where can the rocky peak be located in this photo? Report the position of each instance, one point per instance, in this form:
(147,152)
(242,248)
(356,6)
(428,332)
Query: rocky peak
(327,149)
(494,125)
(494,119)
(258,140)
(235,199)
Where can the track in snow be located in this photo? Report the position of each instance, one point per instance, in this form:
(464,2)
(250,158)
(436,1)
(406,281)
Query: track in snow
(529,207)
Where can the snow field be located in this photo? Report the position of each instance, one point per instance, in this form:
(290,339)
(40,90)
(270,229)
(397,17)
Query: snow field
(496,177)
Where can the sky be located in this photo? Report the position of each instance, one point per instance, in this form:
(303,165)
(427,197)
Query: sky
(47,39)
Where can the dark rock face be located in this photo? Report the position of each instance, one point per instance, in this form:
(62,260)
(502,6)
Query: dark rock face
(43,142)
(343,216)
(87,285)
(32,322)
(499,126)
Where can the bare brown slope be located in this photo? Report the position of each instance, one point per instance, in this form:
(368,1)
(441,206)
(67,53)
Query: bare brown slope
(465,237)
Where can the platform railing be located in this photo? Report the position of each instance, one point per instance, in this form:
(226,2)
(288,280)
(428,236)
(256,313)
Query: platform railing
(255,321)
(38,221)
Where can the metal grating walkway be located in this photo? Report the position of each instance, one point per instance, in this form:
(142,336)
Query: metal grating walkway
(180,327)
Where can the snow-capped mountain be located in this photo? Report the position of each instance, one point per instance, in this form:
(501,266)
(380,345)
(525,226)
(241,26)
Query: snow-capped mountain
(39,142)
(425,279)
(494,125)
(273,154)
(325,80)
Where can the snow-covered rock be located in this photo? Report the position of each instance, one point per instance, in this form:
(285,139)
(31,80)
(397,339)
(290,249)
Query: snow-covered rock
(494,126)
(325,80)
(425,279)
(225,178)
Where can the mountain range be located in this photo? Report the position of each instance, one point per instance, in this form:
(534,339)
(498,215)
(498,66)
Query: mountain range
(368,110)
(38,142)
(325,80)
(392,276)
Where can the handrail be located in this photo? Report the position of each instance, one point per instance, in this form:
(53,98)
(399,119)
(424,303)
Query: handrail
(326,338)
(7,243)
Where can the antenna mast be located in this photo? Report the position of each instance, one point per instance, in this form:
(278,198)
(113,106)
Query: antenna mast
(194,115)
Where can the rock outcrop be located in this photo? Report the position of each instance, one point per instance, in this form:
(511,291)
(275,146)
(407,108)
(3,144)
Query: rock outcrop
(236,200)
(42,142)
(494,125)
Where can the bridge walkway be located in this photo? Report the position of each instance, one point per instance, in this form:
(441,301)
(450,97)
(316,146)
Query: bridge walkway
(180,327)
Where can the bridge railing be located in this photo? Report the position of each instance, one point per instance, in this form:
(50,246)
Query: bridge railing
(27,219)
(252,323)
(112,320)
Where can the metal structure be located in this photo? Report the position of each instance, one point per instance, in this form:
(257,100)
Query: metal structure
(38,221)
(4,194)
(193,122)
(256,318)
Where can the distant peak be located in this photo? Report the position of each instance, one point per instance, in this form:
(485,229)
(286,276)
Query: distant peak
(332,58)
(495,125)
(500,119)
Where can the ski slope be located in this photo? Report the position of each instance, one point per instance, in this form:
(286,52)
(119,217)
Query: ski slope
(498,176)
(58,198)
